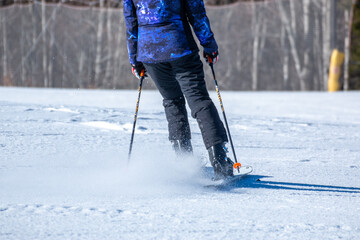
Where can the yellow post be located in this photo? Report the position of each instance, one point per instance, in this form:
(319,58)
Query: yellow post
(337,58)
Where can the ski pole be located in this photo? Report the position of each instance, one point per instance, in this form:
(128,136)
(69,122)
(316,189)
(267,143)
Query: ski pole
(237,165)
(142,76)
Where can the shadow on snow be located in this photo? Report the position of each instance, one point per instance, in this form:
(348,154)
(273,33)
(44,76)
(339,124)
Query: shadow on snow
(256,181)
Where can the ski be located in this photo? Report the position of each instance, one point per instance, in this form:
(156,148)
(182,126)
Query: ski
(243,171)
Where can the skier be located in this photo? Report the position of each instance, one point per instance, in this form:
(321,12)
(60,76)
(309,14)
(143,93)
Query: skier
(160,43)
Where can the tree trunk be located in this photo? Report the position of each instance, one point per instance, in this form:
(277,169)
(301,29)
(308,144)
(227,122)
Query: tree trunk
(81,69)
(22,47)
(306,72)
(51,57)
(5,56)
(285,50)
(43,32)
(228,72)
(33,64)
(99,45)
(318,53)
(255,30)
(109,61)
(293,16)
(326,14)
(117,55)
(349,21)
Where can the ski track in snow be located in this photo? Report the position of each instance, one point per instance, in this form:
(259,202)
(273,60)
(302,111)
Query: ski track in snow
(64,172)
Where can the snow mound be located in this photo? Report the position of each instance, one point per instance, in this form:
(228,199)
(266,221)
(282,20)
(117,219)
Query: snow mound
(127,127)
(106,125)
(61,109)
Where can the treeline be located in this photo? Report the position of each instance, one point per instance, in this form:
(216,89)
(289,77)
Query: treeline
(270,45)
(109,3)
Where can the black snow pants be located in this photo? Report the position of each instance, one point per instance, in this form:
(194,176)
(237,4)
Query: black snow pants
(185,76)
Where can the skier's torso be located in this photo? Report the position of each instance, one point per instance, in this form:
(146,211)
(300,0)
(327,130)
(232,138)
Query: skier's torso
(157,12)
(164,33)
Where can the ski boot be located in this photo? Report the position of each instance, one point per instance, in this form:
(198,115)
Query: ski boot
(223,166)
(182,147)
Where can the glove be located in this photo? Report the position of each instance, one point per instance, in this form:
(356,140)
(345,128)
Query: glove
(139,69)
(211,57)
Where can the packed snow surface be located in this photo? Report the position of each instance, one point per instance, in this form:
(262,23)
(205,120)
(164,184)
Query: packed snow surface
(64,171)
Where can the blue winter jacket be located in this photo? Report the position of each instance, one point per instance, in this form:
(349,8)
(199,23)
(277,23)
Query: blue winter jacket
(159,30)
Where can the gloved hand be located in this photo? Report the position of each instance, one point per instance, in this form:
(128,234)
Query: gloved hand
(139,69)
(211,57)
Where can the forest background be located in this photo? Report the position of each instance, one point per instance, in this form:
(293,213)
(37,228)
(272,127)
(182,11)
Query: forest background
(275,56)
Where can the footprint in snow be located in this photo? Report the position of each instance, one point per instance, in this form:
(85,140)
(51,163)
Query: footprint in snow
(41,209)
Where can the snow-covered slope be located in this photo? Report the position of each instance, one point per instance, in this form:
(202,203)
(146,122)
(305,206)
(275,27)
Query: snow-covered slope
(64,172)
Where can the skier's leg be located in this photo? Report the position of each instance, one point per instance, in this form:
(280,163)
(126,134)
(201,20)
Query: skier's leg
(174,105)
(190,75)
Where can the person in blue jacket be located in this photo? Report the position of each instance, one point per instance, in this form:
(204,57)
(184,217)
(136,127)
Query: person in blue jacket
(160,42)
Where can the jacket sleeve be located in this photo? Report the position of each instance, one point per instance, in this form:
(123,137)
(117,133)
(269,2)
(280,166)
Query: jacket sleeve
(132,29)
(196,14)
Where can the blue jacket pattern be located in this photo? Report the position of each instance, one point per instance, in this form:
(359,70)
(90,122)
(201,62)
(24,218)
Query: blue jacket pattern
(159,30)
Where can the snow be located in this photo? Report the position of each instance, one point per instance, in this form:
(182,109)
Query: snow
(64,171)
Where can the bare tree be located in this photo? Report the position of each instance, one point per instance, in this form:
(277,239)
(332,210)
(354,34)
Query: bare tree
(349,15)
(33,64)
(109,59)
(255,23)
(6,77)
(43,32)
(50,69)
(285,52)
(22,49)
(326,39)
(99,44)
(303,68)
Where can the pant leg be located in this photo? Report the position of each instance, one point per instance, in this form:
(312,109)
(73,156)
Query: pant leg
(173,100)
(189,73)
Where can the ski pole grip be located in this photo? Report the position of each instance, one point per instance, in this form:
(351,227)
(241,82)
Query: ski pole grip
(142,73)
